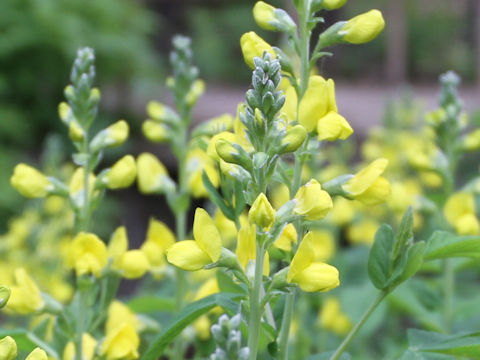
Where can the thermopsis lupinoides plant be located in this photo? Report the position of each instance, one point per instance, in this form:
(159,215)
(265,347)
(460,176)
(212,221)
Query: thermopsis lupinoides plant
(261,256)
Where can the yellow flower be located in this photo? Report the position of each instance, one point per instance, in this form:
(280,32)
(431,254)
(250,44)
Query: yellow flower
(310,275)
(333,4)
(132,264)
(333,126)
(117,133)
(25,297)
(323,244)
(8,348)
(205,249)
(471,142)
(202,327)
(119,314)
(264,15)
(76,186)
(122,174)
(368,186)
(158,240)
(333,319)
(254,46)
(88,348)
(317,102)
(364,27)
(459,211)
(286,238)
(152,176)
(37,354)
(226,227)
(261,213)
(362,232)
(294,138)
(312,202)
(197,162)
(247,248)
(121,343)
(280,195)
(155,131)
(87,254)
(30,182)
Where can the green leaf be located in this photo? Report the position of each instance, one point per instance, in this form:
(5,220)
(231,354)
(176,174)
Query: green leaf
(186,316)
(216,198)
(150,303)
(414,261)
(443,244)
(404,232)
(463,344)
(379,258)
(227,285)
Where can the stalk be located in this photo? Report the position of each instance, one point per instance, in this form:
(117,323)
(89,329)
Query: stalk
(343,346)
(285,328)
(255,319)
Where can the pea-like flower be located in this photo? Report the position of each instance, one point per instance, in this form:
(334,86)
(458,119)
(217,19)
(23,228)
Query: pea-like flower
(155,131)
(132,264)
(122,342)
(261,213)
(311,276)
(88,348)
(87,254)
(25,297)
(152,176)
(205,249)
(254,46)
(333,126)
(459,211)
(332,318)
(30,182)
(114,135)
(364,27)
(312,202)
(8,348)
(273,19)
(122,174)
(247,248)
(158,240)
(368,186)
(37,354)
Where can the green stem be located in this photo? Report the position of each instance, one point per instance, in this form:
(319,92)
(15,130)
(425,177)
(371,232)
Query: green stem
(255,319)
(80,326)
(449,282)
(343,346)
(285,328)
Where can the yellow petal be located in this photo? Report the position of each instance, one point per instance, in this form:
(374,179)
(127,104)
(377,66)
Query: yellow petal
(366,177)
(317,277)
(206,234)
(187,255)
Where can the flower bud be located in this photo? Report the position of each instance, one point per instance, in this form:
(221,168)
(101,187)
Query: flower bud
(112,136)
(471,142)
(261,213)
(254,46)
(294,138)
(37,354)
(270,18)
(154,131)
(226,151)
(333,126)
(161,113)
(313,202)
(8,348)
(4,295)
(197,89)
(30,182)
(152,175)
(364,27)
(333,4)
(122,174)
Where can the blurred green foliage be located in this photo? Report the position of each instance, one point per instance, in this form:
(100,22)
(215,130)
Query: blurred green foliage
(38,44)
